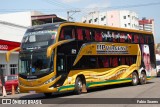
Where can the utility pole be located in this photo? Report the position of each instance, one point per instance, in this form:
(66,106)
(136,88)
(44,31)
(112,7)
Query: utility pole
(73,12)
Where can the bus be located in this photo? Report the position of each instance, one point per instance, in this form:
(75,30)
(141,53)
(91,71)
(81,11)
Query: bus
(73,56)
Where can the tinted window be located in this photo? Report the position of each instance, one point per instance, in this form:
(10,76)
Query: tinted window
(67,33)
(98,35)
(104,61)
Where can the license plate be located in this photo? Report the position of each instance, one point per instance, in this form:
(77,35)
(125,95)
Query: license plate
(32,92)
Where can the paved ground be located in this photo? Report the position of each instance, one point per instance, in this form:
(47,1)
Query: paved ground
(123,92)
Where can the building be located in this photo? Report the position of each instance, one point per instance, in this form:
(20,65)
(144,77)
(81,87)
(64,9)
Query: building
(147,25)
(12,66)
(12,29)
(15,24)
(42,19)
(122,18)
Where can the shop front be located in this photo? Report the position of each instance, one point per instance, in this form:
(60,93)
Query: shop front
(9,68)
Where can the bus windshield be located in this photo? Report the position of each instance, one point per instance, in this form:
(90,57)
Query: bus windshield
(35,63)
(38,39)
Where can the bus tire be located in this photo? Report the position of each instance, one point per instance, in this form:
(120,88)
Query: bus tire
(143,78)
(135,79)
(78,85)
(48,94)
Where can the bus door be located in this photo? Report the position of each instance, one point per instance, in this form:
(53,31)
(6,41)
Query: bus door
(61,69)
(69,61)
(61,65)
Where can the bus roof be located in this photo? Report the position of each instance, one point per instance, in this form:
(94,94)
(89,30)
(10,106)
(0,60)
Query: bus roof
(91,26)
(105,27)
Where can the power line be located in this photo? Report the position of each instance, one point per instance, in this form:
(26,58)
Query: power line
(73,12)
(68,7)
(131,6)
(64,8)
(58,4)
(84,11)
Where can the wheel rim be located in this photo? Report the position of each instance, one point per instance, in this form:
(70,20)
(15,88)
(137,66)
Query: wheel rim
(79,85)
(134,79)
(143,78)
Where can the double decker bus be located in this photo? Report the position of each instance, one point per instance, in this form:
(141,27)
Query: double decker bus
(72,56)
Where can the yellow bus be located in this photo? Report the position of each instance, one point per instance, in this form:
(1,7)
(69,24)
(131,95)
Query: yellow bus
(72,56)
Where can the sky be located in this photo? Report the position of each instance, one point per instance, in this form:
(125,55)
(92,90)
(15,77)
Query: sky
(144,8)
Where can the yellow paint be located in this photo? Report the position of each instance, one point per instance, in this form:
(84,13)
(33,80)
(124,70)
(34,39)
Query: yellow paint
(52,47)
(96,85)
(9,53)
(34,85)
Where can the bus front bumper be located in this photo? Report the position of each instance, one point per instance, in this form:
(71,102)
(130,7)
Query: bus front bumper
(44,88)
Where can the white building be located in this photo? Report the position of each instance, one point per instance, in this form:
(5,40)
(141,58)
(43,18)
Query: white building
(14,25)
(147,25)
(122,18)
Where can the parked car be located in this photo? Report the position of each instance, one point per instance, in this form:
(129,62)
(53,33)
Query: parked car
(158,67)
(11,80)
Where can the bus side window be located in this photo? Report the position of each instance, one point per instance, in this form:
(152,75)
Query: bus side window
(131,60)
(136,38)
(130,38)
(73,33)
(60,64)
(93,62)
(114,37)
(122,37)
(92,33)
(151,39)
(141,39)
(62,35)
(104,35)
(117,36)
(122,60)
(128,60)
(84,34)
(109,36)
(114,61)
(126,37)
(87,31)
(105,62)
(146,39)
(67,33)
(79,34)
(98,36)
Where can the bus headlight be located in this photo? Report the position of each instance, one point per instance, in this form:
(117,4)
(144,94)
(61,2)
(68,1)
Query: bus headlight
(50,80)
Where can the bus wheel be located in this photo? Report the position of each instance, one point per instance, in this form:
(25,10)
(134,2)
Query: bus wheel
(78,86)
(134,78)
(143,78)
(48,94)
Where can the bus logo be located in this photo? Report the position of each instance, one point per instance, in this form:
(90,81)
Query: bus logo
(103,49)
(101,46)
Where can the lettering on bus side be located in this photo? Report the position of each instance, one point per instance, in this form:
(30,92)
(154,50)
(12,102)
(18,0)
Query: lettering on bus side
(101,46)
(103,49)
